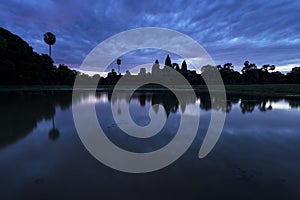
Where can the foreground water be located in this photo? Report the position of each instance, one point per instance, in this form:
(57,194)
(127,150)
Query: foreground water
(256,157)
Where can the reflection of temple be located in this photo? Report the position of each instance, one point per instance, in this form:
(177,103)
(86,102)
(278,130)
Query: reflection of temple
(20,114)
(165,98)
(247,103)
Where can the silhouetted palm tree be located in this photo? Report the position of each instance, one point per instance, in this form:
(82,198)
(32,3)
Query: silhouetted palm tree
(118,63)
(50,39)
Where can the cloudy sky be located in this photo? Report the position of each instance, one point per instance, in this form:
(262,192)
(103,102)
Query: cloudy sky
(263,32)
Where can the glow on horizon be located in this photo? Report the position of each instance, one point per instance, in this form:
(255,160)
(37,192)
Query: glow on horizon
(135,70)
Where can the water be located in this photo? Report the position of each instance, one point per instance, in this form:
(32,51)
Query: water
(256,157)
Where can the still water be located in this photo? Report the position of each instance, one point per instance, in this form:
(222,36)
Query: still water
(256,157)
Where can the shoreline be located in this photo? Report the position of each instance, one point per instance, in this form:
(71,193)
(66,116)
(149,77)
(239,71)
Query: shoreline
(268,89)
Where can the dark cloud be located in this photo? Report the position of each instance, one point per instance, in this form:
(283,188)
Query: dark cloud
(231,31)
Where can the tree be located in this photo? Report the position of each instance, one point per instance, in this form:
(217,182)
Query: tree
(265,68)
(272,67)
(228,74)
(293,76)
(208,69)
(118,63)
(50,39)
(168,61)
(251,75)
(268,67)
(228,66)
(127,73)
(247,67)
(219,67)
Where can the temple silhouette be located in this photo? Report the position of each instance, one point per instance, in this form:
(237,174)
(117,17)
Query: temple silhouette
(250,74)
(157,72)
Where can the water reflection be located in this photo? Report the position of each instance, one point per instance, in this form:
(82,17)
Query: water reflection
(21,112)
(54,132)
(256,156)
(27,110)
(247,103)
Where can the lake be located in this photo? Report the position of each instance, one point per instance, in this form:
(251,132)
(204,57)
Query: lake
(256,157)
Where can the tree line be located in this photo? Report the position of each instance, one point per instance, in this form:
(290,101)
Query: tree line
(20,65)
(249,74)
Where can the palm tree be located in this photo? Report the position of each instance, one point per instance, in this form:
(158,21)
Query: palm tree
(50,39)
(54,132)
(118,63)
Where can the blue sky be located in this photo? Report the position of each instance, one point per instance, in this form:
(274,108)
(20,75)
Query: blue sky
(263,32)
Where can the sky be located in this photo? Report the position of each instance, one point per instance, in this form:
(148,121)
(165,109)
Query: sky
(261,31)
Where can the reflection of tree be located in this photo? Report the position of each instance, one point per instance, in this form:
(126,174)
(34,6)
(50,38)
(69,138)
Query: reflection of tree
(247,106)
(168,100)
(165,98)
(54,132)
(294,101)
(263,103)
(142,99)
(231,100)
(20,113)
(248,103)
(205,103)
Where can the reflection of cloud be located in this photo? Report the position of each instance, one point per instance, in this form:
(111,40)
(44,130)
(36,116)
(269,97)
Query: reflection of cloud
(92,99)
(103,98)
(281,105)
(190,110)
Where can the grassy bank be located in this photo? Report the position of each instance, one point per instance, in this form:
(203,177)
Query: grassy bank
(280,89)
(284,89)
